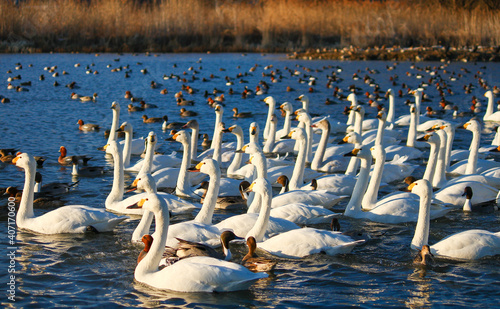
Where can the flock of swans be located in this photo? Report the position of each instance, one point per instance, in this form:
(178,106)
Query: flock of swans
(312,175)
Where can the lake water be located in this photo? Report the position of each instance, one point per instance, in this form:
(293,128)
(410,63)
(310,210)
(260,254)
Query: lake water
(98,270)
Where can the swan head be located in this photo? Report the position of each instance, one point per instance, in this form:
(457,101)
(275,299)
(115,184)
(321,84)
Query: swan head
(389,92)
(260,186)
(297,134)
(111,148)
(430,138)
(152,203)
(286,107)
(218,109)
(352,138)
(191,124)
(353,99)
(421,187)
(489,94)
(115,106)
(270,101)
(382,115)
(363,152)
(207,166)
(254,128)
(323,124)
(181,136)
(143,182)
(126,127)
(473,125)
(24,160)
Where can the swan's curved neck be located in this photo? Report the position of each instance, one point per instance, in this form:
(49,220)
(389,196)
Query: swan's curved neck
(116,193)
(207,210)
(218,119)
(297,179)
(271,139)
(150,262)
(267,128)
(320,151)
(114,126)
(489,107)
(439,178)
(260,163)
(238,156)
(183,185)
(450,134)
(259,229)
(358,122)
(418,103)
(412,130)
(127,148)
(217,146)
(194,142)
(467,205)
(474,148)
(309,135)
(431,163)
(353,208)
(148,158)
(288,123)
(26,205)
(390,113)
(379,139)
(353,166)
(421,236)
(370,198)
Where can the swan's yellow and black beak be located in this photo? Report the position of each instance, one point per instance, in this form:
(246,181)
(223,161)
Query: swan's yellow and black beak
(133,186)
(250,188)
(138,204)
(410,187)
(353,153)
(196,168)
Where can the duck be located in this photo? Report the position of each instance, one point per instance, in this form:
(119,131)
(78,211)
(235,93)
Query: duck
(146,119)
(184,102)
(87,127)
(489,115)
(86,171)
(5,157)
(186,249)
(66,219)
(186,113)
(465,245)
(148,241)
(207,274)
(170,125)
(207,142)
(484,207)
(254,262)
(424,257)
(133,108)
(67,160)
(228,202)
(53,188)
(89,98)
(40,201)
(237,114)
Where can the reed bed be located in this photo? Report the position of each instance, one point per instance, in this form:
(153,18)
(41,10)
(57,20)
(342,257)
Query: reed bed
(217,25)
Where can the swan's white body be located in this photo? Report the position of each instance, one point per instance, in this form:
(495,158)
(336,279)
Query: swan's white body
(397,208)
(195,274)
(466,245)
(66,219)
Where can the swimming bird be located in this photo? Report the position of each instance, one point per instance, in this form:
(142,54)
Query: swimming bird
(86,127)
(236,114)
(145,119)
(67,219)
(256,263)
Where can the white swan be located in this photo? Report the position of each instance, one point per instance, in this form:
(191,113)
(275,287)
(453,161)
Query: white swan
(195,129)
(295,243)
(466,245)
(195,274)
(219,111)
(305,120)
(271,102)
(279,147)
(258,225)
(473,165)
(136,144)
(66,219)
(179,178)
(238,156)
(392,209)
(287,110)
(115,201)
(201,229)
(489,115)
(331,165)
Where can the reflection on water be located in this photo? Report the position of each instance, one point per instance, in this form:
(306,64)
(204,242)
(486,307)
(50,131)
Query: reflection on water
(98,270)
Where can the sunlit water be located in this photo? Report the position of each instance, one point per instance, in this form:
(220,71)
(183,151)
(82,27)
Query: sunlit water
(98,270)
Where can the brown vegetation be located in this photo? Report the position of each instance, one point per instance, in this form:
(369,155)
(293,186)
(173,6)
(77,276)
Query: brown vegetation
(252,25)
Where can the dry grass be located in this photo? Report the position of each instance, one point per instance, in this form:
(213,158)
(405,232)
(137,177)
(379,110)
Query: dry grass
(200,25)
